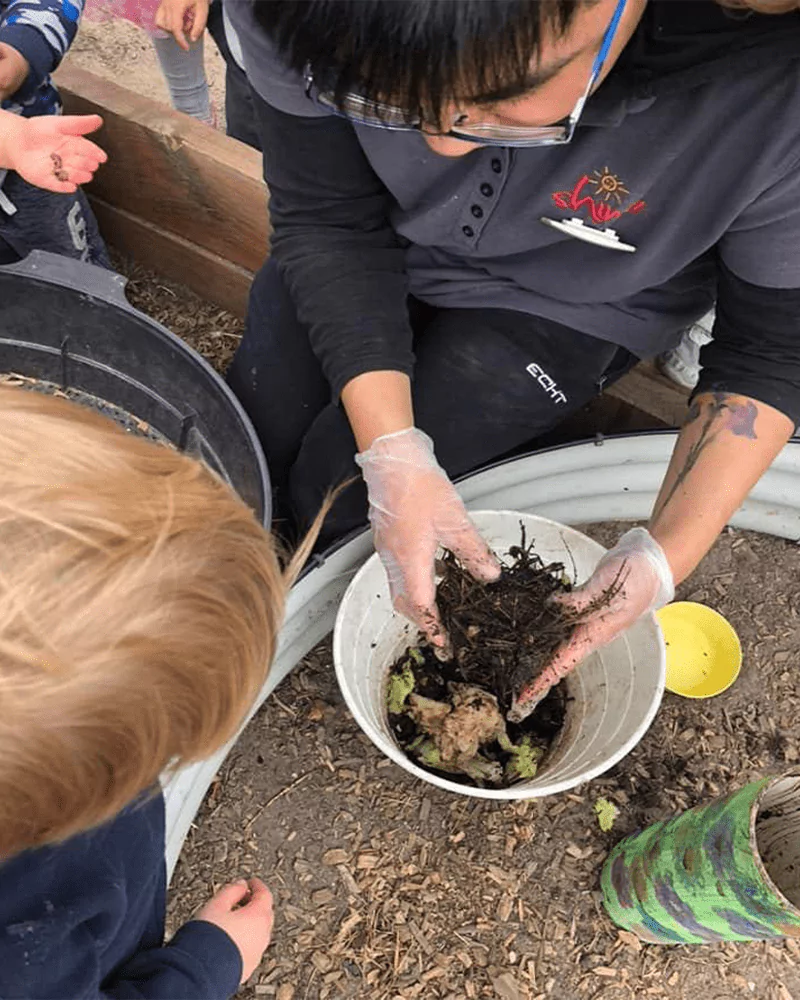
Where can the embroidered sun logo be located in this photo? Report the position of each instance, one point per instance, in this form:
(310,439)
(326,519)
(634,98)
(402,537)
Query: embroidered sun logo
(608,186)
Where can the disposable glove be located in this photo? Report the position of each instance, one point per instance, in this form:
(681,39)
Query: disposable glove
(414,509)
(630,580)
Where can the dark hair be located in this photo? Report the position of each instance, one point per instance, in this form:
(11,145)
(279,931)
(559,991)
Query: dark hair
(419,55)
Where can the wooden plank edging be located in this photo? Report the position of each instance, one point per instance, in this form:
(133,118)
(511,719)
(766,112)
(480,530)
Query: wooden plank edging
(173,172)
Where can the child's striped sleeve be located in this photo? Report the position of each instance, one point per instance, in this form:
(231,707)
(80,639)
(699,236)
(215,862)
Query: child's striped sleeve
(42,31)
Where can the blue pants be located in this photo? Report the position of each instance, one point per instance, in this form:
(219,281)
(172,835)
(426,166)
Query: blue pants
(60,223)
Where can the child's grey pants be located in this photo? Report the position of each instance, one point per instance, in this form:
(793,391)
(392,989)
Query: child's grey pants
(185,73)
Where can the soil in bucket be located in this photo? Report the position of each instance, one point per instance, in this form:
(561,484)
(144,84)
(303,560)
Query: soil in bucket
(127,421)
(450,717)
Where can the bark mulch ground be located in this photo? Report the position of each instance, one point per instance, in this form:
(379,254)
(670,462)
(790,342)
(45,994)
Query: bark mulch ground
(388,889)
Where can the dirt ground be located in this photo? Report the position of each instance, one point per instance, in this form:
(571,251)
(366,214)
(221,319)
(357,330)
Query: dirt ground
(123,53)
(389,889)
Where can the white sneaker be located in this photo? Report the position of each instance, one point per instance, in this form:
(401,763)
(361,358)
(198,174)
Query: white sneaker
(681,364)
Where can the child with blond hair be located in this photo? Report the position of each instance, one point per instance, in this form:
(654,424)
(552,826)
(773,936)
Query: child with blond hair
(140,601)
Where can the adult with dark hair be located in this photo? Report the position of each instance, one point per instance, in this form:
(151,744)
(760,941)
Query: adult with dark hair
(486,210)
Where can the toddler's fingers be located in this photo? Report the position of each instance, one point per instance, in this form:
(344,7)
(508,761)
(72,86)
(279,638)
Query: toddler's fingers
(230,895)
(66,186)
(78,177)
(260,897)
(179,35)
(199,19)
(79,125)
(81,163)
(92,153)
(166,22)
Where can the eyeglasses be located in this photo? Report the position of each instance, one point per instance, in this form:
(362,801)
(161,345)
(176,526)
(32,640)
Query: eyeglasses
(362,111)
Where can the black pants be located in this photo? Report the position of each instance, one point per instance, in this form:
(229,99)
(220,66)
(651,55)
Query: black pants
(240,113)
(486,381)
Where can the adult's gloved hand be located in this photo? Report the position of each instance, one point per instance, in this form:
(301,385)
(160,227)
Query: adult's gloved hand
(414,509)
(630,580)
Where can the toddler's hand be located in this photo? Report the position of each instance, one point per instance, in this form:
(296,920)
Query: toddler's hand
(14,69)
(185,20)
(49,151)
(244,911)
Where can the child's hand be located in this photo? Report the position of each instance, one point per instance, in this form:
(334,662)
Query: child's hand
(50,151)
(185,20)
(244,911)
(14,69)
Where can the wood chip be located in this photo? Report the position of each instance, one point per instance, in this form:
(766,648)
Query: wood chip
(629,940)
(504,908)
(605,971)
(349,924)
(420,938)
(321,961)
(335,857)
(349,882)
(367,861)
(506,987)
(317,711)
(285,992)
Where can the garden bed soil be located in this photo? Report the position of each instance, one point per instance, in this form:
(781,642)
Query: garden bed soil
(390,889)
(127,421)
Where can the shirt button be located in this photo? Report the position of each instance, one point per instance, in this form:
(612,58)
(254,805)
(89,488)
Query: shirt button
(468,231)
(497,165)
(477,211)
(487,190)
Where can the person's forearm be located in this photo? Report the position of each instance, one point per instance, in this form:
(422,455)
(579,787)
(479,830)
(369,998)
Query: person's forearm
(725,446)
(9,124)
(378,403)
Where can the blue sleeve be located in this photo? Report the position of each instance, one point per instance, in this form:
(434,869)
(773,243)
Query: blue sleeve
(85,919)
(42,31)
(200,963)
(63,951)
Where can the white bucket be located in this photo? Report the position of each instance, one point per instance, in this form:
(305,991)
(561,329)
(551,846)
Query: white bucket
(614,695)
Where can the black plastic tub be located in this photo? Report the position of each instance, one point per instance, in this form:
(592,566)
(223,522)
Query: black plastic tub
(69,323)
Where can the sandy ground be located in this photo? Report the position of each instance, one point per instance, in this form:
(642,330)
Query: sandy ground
(122,52)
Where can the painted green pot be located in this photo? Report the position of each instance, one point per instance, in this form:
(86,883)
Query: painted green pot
(725,871)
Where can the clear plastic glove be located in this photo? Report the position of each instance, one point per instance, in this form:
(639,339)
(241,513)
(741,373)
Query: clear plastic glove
(414,509)
(636,577)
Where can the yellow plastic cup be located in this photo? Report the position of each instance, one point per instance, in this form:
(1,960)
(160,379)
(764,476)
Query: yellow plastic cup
(704,654)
